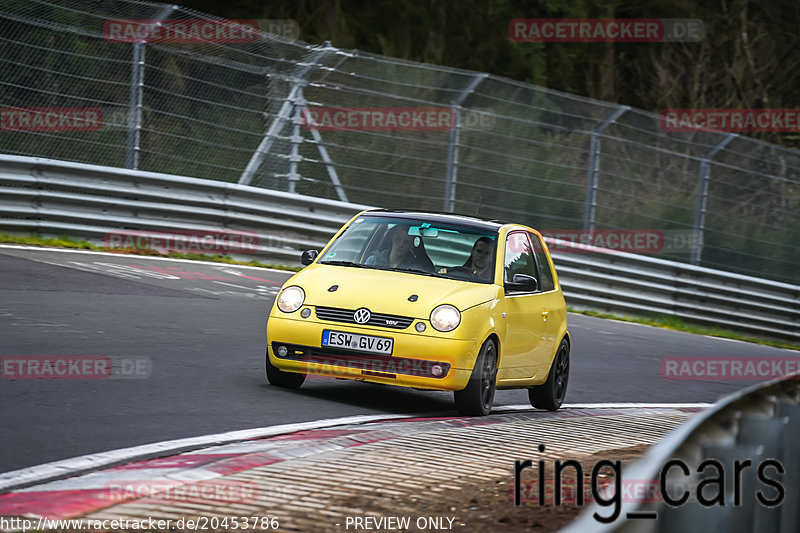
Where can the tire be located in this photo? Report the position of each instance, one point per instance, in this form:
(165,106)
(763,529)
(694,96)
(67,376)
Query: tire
(551,394)
(279,378)
(477,397)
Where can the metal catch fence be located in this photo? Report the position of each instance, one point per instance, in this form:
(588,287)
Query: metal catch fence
(280,114)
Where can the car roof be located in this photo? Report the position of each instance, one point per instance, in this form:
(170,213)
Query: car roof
(434,216)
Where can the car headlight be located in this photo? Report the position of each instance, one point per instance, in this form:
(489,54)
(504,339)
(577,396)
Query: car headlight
(291,299)
(445,318)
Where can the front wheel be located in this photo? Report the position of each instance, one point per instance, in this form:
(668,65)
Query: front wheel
(279,378)
(551,394)
(477,397)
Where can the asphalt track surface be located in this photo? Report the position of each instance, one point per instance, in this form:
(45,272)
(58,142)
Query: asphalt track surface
(197,332)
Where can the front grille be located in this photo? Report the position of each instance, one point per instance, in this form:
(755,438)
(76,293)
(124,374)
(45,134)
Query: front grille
(336,314)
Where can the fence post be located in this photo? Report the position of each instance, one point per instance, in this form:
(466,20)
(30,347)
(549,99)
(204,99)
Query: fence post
(326,159)
(452,147)
(284,114)
(702,196)
(135,108)
(593,168)
(296,140)
(136,96)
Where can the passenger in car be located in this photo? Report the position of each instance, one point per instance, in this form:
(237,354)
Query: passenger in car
(479,262)
(480,259)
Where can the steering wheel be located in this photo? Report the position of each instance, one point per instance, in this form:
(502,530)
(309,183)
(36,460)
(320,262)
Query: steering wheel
(461,271)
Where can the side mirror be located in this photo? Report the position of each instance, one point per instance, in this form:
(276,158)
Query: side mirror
(308,256)
(522,282)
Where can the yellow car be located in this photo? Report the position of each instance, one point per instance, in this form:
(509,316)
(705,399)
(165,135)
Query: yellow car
(430,301)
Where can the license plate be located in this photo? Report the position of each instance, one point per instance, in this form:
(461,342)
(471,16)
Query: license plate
(359,343)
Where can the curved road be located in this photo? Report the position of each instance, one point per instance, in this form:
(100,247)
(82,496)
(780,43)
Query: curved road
(192,335)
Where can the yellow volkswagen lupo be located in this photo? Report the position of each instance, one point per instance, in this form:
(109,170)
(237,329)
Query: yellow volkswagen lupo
(429,301)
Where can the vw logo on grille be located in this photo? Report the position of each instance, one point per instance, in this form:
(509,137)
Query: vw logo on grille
(362,316)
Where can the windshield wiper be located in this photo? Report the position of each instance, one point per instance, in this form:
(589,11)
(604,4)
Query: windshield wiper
(345,263)
(415,271)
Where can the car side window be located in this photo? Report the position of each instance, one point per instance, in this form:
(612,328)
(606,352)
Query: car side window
(546,280)
(519,256)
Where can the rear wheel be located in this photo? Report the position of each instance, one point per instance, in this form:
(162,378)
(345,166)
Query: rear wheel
(551,394)
(477,397)
(279,378)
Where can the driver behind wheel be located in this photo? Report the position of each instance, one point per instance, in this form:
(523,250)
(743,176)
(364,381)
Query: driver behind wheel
(403,251)
(479,262)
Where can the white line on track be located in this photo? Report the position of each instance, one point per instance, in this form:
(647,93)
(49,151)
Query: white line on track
(613,405)
(135,256)
(232,285)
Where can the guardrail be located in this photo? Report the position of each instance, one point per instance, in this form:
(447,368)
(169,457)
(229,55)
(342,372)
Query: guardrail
(52,197)
(757,426)
(636,284)
(63,198)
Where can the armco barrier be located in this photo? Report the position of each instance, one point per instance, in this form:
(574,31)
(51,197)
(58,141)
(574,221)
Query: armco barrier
(55,197)
(761,425)
(62,198)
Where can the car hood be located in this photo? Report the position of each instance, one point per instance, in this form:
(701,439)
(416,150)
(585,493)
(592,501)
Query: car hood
(387,292)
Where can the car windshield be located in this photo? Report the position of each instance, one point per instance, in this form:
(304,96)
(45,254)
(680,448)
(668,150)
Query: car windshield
(417,246)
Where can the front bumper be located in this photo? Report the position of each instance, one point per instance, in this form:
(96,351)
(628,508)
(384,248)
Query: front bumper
(412,363)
